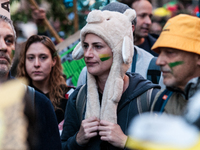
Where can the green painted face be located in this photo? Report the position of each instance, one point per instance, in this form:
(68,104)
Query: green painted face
(104,57)
(12,54)
(176,63)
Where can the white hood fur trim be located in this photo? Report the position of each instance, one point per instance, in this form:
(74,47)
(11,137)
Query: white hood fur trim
(127,51)
(78,52)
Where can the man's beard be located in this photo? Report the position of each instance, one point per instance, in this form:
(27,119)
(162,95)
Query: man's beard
(5,65)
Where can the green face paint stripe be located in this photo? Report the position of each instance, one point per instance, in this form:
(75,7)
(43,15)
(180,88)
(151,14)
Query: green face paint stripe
(13,52)
(104,58)
(173,64)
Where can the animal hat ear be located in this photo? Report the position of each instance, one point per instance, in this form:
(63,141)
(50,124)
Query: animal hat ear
(78,52)
(127,50)
(5,8)
(131,14)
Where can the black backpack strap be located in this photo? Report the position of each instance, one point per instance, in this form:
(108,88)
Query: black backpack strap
(153,73)
(143,101)
(30,95)
(134,60)
(162,100)
(81,101)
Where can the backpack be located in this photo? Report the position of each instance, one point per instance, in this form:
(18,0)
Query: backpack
(153,72)
(81,101)
(30,96)
(143,101)
(162,100)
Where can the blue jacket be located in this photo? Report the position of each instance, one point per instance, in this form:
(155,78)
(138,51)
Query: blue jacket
(127,109)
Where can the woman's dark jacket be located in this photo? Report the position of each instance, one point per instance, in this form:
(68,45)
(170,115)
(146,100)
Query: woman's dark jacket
(60,107)
(127,109)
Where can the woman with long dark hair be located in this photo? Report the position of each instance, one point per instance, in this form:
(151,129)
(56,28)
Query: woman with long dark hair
(41,65)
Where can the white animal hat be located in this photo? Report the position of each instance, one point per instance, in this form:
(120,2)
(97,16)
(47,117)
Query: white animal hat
(116,30)
(5,8)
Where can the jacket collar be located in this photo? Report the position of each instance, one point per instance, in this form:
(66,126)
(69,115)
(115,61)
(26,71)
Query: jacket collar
(191,87)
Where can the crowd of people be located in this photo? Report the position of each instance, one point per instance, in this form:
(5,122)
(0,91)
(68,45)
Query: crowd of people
(130,79)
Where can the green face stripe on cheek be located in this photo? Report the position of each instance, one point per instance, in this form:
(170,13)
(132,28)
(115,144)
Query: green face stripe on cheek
(176,63)
(12,54)
(104,57)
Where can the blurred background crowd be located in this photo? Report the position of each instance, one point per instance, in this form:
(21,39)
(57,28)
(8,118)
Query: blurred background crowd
(60,21)
(67,17)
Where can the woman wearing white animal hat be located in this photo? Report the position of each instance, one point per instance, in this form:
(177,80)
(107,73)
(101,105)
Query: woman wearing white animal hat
(98,113)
